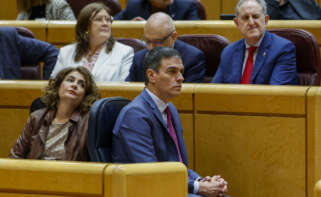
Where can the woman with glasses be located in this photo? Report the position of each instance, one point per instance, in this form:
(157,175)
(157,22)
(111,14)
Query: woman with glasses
(44,10)
(95,47)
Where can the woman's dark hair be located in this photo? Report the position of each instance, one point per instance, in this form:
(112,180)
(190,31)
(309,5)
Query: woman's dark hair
(51,96)
(83,22)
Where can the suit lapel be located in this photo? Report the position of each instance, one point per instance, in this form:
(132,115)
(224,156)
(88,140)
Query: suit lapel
(238,59)
(261,55)
(154,108)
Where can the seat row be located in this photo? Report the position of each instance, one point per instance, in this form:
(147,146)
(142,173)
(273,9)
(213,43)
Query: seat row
(265,136)
(308,53)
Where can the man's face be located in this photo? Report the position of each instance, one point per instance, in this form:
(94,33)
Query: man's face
(160,3)
(251,21)
(159,37)
(168,80)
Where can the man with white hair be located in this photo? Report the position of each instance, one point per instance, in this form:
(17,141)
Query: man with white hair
(260,57)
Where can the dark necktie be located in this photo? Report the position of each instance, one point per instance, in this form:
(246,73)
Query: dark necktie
(246,77)
(172,132)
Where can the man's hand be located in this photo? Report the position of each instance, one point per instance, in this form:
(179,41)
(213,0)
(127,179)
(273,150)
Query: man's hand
(212,186)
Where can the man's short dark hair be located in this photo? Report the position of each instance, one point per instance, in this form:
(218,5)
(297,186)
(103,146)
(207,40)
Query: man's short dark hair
(153,58)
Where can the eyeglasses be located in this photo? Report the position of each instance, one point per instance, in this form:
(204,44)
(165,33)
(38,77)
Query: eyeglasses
(158,41)
(101,19)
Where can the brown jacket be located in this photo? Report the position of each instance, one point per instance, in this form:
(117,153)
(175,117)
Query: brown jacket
(31,143)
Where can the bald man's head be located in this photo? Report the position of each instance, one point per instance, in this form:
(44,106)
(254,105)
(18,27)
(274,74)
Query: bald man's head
(159,30)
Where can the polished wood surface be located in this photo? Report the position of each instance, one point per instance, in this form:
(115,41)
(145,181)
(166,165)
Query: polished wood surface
(51,178)
(313,136)
(35,178)
(168,178)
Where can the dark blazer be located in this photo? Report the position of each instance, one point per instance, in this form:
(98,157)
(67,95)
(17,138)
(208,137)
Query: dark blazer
(178,10)
(193,60)
(294,9)
(141,135)
(16,50)
(275,62)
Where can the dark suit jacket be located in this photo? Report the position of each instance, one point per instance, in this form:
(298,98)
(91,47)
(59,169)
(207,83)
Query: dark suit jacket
(141,135)
(178,10)
(303,9)
(275,62)
(193,60)
(16,50)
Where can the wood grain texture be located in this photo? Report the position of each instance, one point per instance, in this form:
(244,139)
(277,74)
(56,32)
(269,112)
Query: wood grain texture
(313,138)
(51,178)
(251,99)
(149,179)
(257,155)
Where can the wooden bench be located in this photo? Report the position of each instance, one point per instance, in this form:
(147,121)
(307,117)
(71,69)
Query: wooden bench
(26,178)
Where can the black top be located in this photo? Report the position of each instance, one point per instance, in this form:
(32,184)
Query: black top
(38,12)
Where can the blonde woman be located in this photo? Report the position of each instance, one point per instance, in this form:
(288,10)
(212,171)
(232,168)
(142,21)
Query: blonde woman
(44,10)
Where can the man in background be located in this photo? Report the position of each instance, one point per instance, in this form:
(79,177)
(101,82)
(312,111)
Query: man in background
(143,9)
(260,57)
(160,30)
(16,50)
(293,9)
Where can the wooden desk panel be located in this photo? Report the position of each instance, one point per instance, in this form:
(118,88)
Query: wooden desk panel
(37,27)
(258,155)
(148,179)
(8,10)
(51,177)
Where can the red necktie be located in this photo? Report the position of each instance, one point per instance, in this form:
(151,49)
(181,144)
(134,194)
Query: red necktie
(246,77)
(172,132)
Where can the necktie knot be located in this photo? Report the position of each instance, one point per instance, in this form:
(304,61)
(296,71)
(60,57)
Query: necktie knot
(252,50)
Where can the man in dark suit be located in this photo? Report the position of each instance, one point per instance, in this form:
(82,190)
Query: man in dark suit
(149,130)
(16,50)
(142,9)
(293,9)
(160,30)
(261,57)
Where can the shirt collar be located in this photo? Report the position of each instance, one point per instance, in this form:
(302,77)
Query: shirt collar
(257,44)
(159,103)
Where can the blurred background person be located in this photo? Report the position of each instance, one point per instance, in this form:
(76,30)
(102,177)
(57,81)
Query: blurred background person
(16,50)
(142,9)
(95,47)
(44,10)
(59,131)
(293,9)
